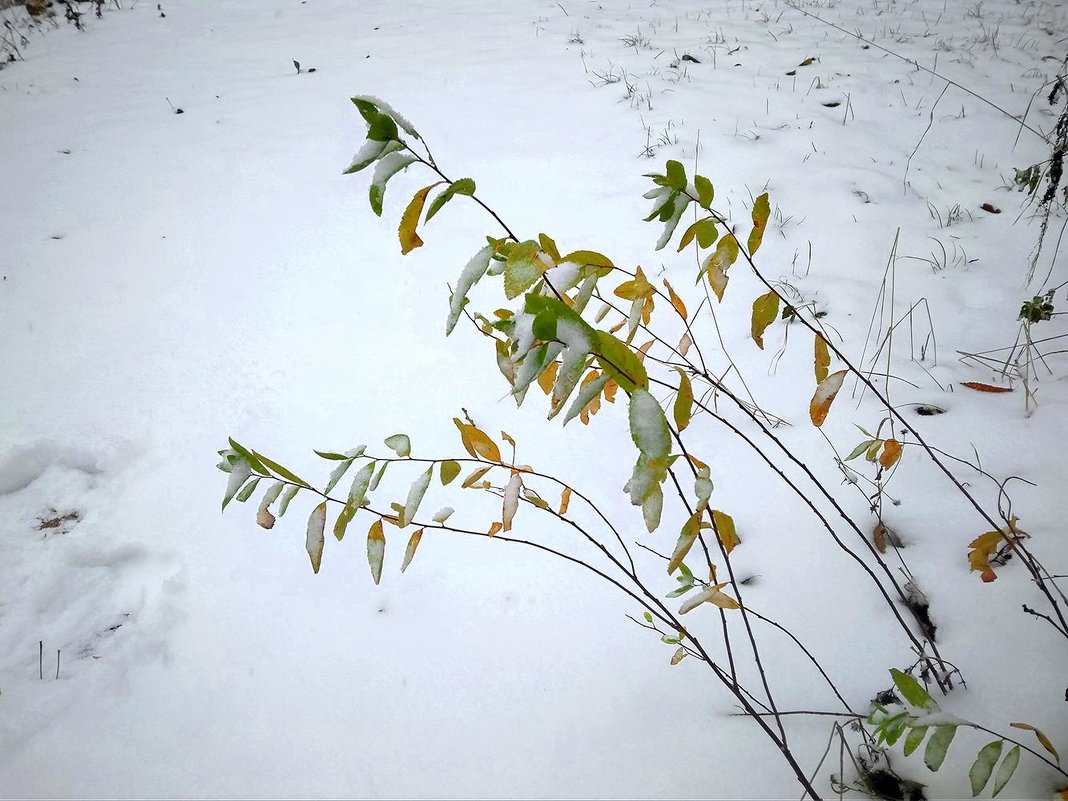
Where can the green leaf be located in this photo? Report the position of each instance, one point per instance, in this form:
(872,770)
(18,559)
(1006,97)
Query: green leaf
(761,212)
(648,425)
(705,192)
(549,247)
(683,407)
(389,166)
(671,221)
(381,128)
(522,268)
(315,539)
(935,752)
(368,104)
(676,175)
(281,471)
(765,310)
(620,362)
(548,313)
(648,617)
(287,496)
(250,456)
(703,230)
(247,491)
(409,552)
(652,508)
(469,276)
(369,153)
(1008,767)
(913,691)
(415,496)
(347,513)
(687,537)
(861,448)
(378,476)
(465,186)
(914,739)
(399,444)
(449,471)
(376,549)
(979,774)
(586,258)
(572,366)
(406,233)
(336,457)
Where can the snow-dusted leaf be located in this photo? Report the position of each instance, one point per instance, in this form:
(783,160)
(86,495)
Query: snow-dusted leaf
(678,656)
(687,537)
(652,508)
(511,500)
(386,108)
(935,752)
(475,476)
(315,539)
(983,767)
(415,496)
(287,497)
(469,276)
(369,151)
(409,552)
(522,268)
(821,401)
(240,470)
(387,167)
(336,474)
(765,310)
(399,444)
(1007,768)
(378,476)
(710,595)
(648,425)
(443,514)
(247,490)
(717,264)
(588,392)
(264,518)
(376,549)
(360,484)
(572,366)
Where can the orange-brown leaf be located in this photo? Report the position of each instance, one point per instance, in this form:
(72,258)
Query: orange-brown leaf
(979,387)
(891,453)
(548,377)
(879,537)
(981,549)
(1042,738)
(821,401)
(676,301)
(495,528)
(565,500)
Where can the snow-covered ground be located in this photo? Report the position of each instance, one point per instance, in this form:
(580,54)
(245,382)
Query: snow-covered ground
(169,280)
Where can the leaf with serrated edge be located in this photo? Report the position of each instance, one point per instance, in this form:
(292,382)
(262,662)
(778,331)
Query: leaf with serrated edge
(409,239)
(469,276)
(821,401)
(979,774)
(409,552)
(1007,768)
(315,539)
(386,168)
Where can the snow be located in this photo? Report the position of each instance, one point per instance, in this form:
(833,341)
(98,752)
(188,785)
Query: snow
(173,279)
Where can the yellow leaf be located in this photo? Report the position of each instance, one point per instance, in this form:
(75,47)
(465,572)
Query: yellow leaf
(724,525)
(1042,738)
(761,212)
(475,476)
(508,439)
(765,310)
(822,358)
(981,549)
(638,288)
(482,444)
(495,529)
(409,239)
(676,301)
(719,262)
(647,309)
(891,453)
(376,549)
(722,600)
(821,401)
(709,595)
(464,436)
(683,408)
(617,326)
(548,377)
